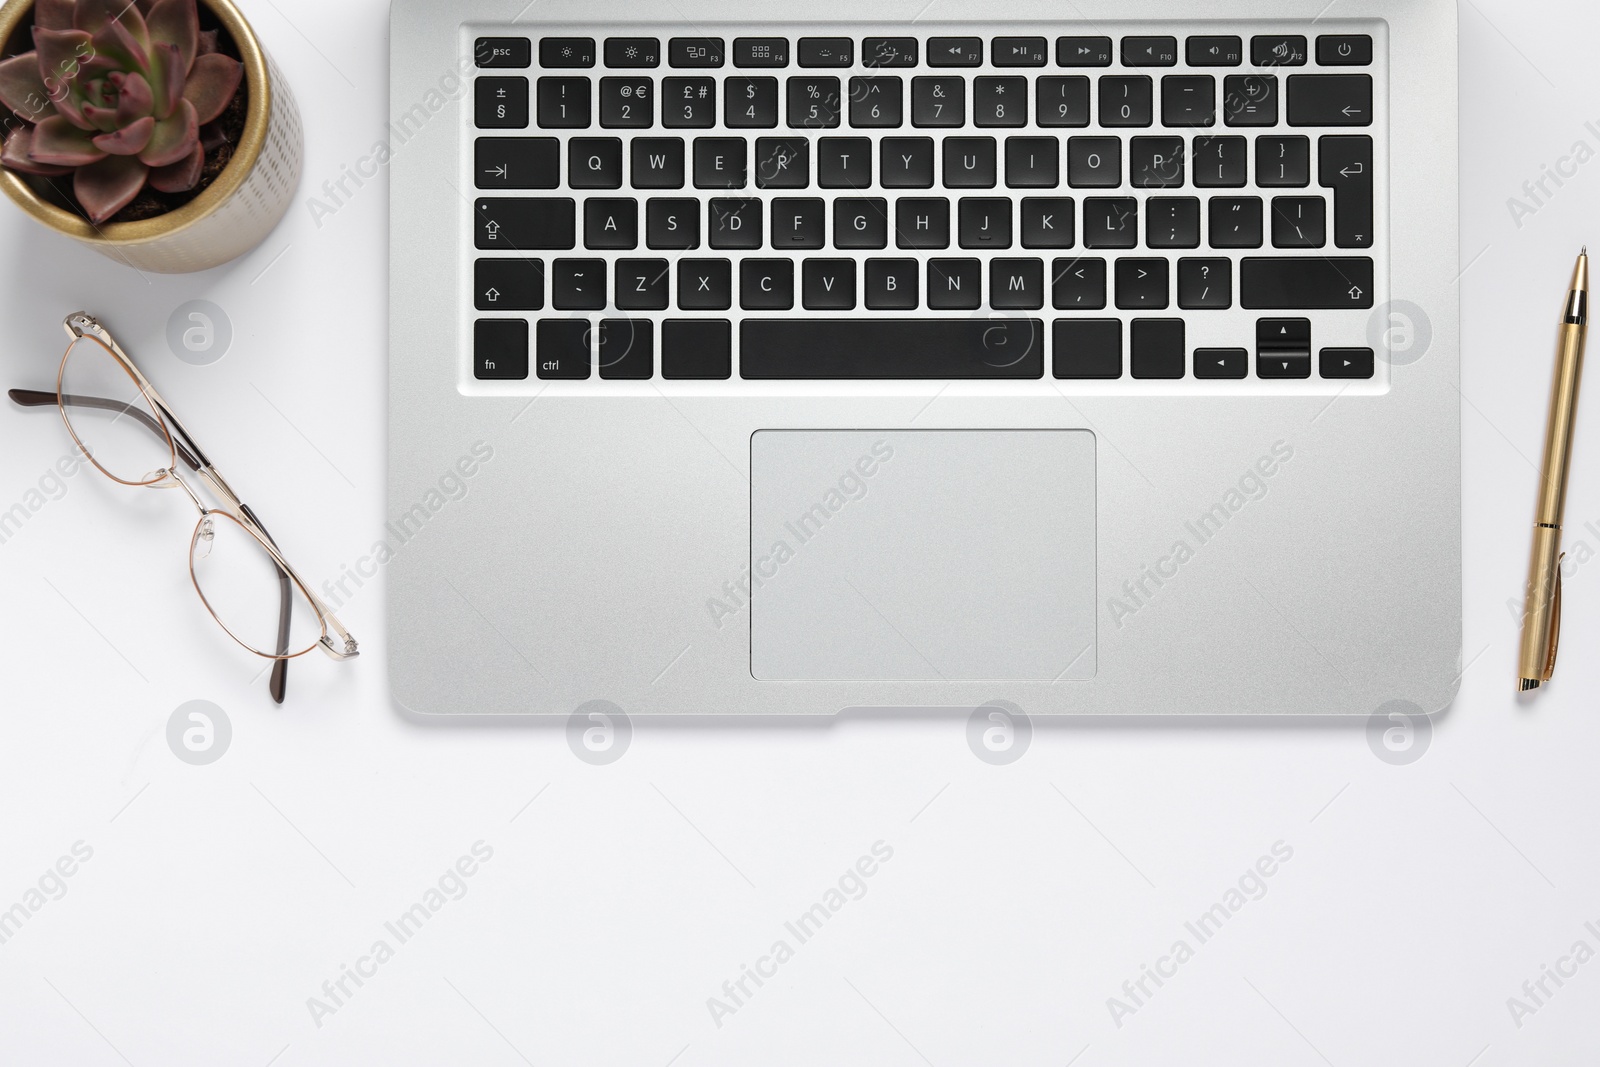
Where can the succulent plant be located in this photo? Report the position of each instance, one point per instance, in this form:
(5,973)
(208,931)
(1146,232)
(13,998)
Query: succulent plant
(116,93)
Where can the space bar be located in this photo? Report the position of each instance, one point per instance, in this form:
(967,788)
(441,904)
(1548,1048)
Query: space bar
(891,348)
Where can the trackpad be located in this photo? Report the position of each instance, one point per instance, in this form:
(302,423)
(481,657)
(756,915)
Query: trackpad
(922,555)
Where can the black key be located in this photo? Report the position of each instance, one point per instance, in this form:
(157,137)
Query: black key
(1020,51)
(697,349)
(922,222)
(984,223)
(955,51)
(889,52)
(860,222)
(783,163)
(1000,101)
(1215,51)
(877,103)
(735,223)
(562,349)
(1221,363)
(761,52)
(563,103)
(508,285)
(1284,162)
(1235,222)
(578,285)
(844,162)
(856,348)
(1126,101)
(642,284)
(720,162)
(557,52)
(705,284)
(906,163)
(1270,365)
(1284,335)
(627,103)
(1016,284)
(1033,162)
(1110,222)
(657,162)
(1149,51)
(892,285)
(1094,162)
(517,163)
(1156,162)
(1250,100)
(1330,100)
(969,163)
(1158,348)
(813,103)
(510,52)
(610,224)
(526,224)
(955,284)
(1278,50)
(766,285)
(1205,284)
(672,223)
(1189,100)
(633,52)
(938,102)
(1345,362)
(688,103)
(500,349)
(627,349)
(1345,166)
(1221,162)
(1142,284)
(827,52)
(1172,222)
(1083,51)
(1078,285)
(798,223)
(501,103)
(594,163)
(1047,222)
(1299,222)
(1312,283)
(1340,50)
(750,103)
(1088,348)
(1063,101)
(828,285)
(695,51)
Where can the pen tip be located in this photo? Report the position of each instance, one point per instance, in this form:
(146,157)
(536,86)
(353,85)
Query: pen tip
(1529,683)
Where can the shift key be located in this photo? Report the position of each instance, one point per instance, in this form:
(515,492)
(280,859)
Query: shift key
(522,224)
(1310,283)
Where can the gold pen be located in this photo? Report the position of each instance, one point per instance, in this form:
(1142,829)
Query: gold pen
(1541,626)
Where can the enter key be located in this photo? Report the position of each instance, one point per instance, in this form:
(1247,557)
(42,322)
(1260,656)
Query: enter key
(1346,168)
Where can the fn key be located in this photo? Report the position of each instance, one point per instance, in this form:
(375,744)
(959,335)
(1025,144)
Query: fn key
(500,349)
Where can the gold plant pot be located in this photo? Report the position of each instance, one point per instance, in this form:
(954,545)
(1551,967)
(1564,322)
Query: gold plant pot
(230,216)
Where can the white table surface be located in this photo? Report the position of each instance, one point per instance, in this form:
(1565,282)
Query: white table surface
(619,898)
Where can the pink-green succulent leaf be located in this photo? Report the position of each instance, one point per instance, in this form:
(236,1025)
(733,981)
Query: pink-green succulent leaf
(175,137)
(106,187)
(181,176)
(22,88)
(62,54)
(128,141)
(166,77)
(94,16)
(57,142)
(212,85)
(177,22)
(208,43)
(53,14)
(135,99)
(129,41)
(101,119)
(15,156)
(111,45)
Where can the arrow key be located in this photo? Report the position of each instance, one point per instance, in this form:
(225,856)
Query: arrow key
(1283,365)
(1221,363)
(1346,363)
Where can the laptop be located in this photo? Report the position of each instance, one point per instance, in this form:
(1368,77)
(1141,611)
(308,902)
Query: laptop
(781,359)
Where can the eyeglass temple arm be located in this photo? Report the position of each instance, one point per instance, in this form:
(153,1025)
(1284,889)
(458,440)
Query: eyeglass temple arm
(36,398)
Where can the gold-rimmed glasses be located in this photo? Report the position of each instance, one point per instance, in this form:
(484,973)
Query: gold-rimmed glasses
(130,434)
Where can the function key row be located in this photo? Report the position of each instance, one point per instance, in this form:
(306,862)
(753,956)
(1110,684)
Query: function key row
(1282,50)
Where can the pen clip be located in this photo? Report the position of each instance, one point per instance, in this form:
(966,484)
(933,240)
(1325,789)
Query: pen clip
(1555,622)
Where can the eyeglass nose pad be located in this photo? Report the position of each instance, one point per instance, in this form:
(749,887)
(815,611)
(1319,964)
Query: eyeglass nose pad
(205,537)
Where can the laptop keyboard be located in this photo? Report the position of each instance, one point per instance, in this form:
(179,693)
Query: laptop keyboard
(1154,206)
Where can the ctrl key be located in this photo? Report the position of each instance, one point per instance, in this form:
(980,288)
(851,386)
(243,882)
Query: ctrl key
(562,349)
(500,349)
